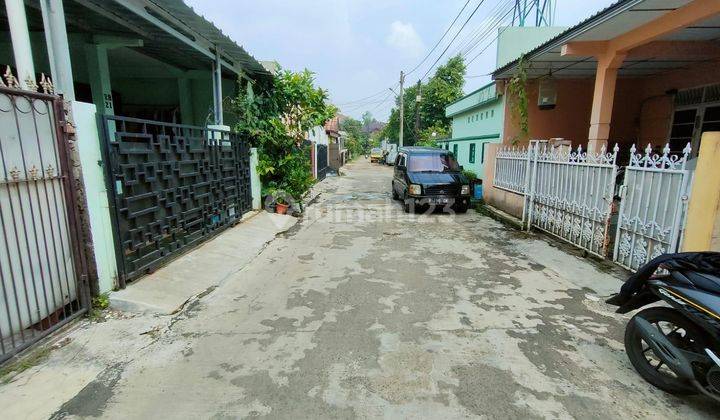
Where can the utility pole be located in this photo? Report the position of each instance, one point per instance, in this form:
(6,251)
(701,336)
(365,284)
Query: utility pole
(402,108)
(418,98)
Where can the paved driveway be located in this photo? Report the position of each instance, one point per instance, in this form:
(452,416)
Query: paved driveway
(364,311)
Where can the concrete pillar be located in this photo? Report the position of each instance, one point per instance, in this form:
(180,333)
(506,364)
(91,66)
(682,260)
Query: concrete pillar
(98,207)
(603,99)
(99,72)
(185,98)
(217,88)
(255,184)
(22,49)
(702,230)
(58,47)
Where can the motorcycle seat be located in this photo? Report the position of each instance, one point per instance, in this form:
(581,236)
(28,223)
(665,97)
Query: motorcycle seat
(705,281)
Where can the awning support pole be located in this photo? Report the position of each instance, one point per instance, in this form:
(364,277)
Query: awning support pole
(58,48)
(217,87)
(20,37)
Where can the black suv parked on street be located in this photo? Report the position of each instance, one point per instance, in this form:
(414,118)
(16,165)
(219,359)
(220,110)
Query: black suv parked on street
(430,177)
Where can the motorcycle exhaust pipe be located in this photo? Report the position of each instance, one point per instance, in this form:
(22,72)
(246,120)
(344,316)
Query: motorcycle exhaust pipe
(665,350)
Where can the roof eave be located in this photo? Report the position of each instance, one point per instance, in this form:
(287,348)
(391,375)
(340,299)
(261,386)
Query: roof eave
(566,36)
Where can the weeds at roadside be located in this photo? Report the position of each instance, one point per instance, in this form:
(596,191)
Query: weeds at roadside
(99,304)
(11,370)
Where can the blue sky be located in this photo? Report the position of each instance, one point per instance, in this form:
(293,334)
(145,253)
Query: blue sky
(358,47)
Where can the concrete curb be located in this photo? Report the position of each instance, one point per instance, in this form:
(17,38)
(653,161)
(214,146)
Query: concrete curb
(500,216)
(167,290)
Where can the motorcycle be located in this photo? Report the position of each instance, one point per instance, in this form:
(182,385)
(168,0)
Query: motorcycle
(675,347)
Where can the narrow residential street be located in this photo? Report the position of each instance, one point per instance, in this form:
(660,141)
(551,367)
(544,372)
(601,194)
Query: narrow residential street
(363,311)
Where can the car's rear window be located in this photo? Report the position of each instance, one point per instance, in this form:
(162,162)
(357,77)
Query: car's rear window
(376,150)
(432,163)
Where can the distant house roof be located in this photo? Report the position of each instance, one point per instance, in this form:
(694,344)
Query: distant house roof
(332,127)
(618,18)
(374,126)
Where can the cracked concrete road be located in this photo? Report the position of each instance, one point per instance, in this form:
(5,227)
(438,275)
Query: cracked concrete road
(362,311)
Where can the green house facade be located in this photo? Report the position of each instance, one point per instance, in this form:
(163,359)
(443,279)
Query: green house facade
(477,119)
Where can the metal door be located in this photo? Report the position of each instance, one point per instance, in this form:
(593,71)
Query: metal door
(172,186)
(43,278)
(654,198)
(322,161)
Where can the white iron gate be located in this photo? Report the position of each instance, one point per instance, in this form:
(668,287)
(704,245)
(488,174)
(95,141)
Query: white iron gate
(511,169)
(43,275)
(571,195)
(652,209)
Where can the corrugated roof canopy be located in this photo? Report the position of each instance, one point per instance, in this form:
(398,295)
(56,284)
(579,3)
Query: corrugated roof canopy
(617,19)
(170,30)
(209,31)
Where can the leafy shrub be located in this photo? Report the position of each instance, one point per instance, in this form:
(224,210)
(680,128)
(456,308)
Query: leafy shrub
(276,120)
(470,175)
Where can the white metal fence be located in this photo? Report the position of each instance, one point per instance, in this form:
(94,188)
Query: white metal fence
(653,200)
(511,169)
(571,194)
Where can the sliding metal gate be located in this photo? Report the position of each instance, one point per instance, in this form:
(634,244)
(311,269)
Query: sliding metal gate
(571,195)
(173,186)
(652,211)
(42,271)
(321,154)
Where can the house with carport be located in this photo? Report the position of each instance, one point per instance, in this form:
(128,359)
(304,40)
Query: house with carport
(117,152)
(640,71)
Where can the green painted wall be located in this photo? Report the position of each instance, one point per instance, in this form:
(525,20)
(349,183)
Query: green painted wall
(477,118)
(513,41)
(462,148)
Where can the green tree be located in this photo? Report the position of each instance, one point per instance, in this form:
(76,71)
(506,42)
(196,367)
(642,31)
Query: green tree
(429,136)
(276,120)
(367,119)
(357,141)
(444,87)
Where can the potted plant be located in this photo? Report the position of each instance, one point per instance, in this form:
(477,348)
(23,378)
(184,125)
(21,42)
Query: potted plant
(471,177)
(281,206)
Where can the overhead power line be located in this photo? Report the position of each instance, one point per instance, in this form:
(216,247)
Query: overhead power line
(441,38)
(379,93)
(453,40)
(365,98)
(489,20)
(488,44)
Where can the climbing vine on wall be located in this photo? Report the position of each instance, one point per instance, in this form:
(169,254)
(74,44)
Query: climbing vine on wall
(519,103)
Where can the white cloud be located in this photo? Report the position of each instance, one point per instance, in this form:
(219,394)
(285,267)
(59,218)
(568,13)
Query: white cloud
(404,38)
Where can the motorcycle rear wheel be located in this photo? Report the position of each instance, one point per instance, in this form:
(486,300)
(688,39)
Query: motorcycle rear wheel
(681,331)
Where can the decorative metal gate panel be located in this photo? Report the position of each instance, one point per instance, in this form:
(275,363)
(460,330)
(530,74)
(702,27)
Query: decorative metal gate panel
(43,283)
(511,169)
(654,196)
(571,195)
(173,187)
(321,154)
